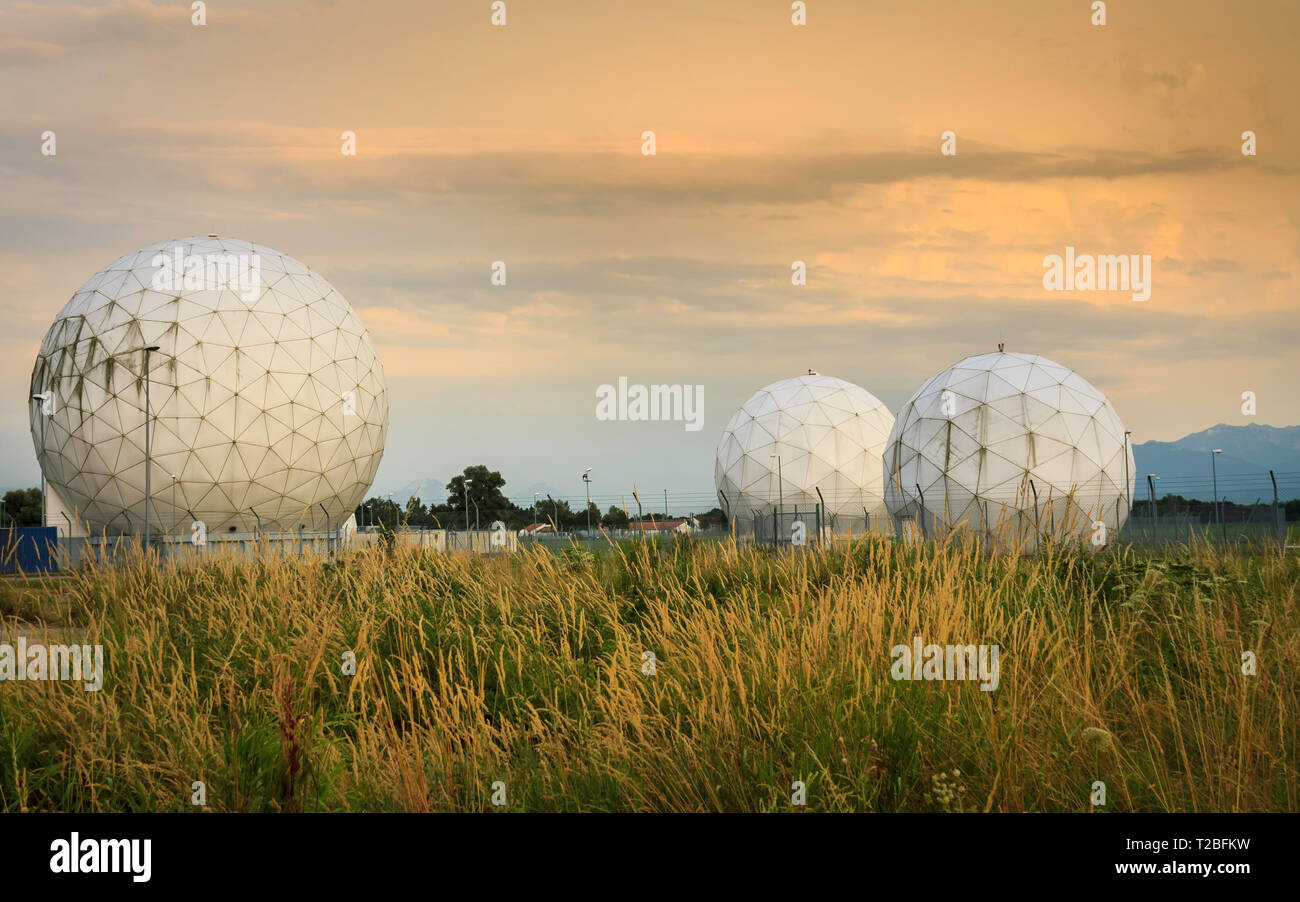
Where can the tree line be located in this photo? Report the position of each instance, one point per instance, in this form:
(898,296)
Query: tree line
(487,503)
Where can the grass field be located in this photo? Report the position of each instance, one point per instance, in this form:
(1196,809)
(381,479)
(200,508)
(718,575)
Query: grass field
(770,669)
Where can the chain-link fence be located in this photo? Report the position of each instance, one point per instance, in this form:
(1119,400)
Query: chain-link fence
(1227,508)
(789,528)
(1173,524)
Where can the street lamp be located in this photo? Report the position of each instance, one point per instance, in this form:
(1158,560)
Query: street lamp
(1214,472)
(586,481)
(173,476)
(1128,495)
(535,497)
(148,431)
(41,397)
(468,483)
(780,483)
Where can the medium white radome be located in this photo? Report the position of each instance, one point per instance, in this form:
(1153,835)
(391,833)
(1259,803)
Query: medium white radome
(971,446)
(268,402)
(829,435)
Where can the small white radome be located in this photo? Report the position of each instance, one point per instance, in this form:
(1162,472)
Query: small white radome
(827,433)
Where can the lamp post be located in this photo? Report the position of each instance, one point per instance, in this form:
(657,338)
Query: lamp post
(41,398)
(148,448)
(468,483)
(173,476)
(535,496)
(780,483)
(586,482)
(1214,473)
(1128,495)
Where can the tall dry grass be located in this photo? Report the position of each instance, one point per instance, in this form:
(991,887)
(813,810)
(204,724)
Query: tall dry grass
(771,668)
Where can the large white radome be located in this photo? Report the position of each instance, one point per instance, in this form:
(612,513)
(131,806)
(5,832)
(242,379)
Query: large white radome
(829,434)
(267,403)
(967,445)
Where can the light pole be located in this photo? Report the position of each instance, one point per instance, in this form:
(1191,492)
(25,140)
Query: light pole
(1214,473)
(1128,495)
(148,430)
(780,483)
(535,496)
(586,482)
(1151,493)
(173,476)
(468,483)
(41,397)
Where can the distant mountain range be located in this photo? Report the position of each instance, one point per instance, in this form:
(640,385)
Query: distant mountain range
(1249,452)
(430,489)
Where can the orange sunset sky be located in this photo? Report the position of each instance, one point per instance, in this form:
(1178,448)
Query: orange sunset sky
(775,143)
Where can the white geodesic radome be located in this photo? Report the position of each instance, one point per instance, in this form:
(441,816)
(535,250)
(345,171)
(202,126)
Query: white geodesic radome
(975,442)
(268,399)
(829,435)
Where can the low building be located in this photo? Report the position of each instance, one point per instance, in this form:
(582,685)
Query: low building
(662,527)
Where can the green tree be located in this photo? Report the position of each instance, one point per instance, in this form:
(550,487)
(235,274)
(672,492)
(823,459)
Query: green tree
(556,512)
(379,512)
(484,491)
(615,518)
(416,514)
(715,517)
(487,503)
(22,507)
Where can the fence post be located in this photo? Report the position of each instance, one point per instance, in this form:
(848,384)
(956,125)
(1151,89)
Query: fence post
(1155,517)
(920,515)
(1282,529)
(1242,536)
(1034,489)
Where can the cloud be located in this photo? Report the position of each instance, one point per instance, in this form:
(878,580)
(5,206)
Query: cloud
(40,33)
(15,51)
(1185,82)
